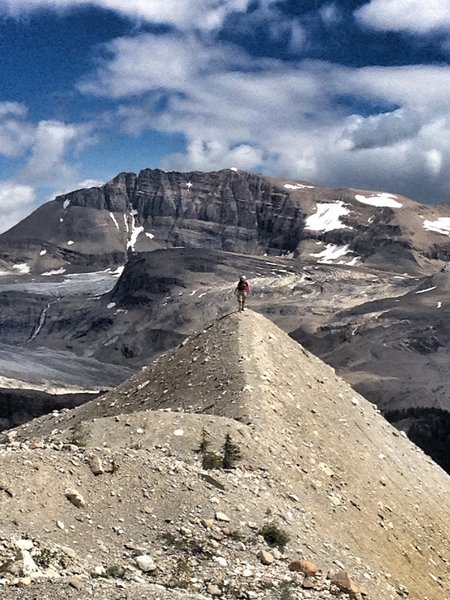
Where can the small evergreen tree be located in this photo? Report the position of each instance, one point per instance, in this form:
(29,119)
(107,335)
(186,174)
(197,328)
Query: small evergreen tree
(204,441)
(231,453)
(210,460)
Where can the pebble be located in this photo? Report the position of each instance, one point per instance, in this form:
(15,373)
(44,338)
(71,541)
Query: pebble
(265,557)
(304,566)
(75,498)
(145,563)
(220,516)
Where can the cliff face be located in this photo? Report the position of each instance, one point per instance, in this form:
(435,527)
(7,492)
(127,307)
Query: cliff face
(227,210)
(221,210)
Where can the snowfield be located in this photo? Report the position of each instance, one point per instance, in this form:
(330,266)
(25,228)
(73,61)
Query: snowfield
(441,225)
(97,283)
(327,217)
(331,253)
(380,200)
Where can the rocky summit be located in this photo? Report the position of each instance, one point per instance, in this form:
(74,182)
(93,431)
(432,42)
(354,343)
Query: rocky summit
(237,465)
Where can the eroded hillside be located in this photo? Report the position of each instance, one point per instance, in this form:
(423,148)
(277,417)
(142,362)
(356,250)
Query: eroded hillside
(317,460)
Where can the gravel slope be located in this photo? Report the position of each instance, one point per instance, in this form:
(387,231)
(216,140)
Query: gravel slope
(317,459)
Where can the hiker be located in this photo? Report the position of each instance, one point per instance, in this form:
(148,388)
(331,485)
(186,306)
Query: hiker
(242,290)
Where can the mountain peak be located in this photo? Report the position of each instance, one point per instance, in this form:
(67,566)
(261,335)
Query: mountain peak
(352,482)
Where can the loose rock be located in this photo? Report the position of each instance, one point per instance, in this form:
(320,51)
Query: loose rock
(304,566)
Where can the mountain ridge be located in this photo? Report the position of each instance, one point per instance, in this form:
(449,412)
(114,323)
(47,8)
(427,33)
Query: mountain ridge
(228,210)
(344,483)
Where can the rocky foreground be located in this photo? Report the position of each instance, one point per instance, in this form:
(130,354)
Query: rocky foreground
(237,466)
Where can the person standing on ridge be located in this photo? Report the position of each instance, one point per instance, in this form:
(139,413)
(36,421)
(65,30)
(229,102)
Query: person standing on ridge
(242,291)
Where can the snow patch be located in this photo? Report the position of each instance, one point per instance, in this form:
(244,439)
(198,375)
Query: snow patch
(61,220)
(66,203)
(114,220)
(111,305)
(234,169)
(54,272)
(42,252)
(126,222)
(354,261)
(439,305)
(380,200)
(327,217)
(134,236)
(149,235)
(22,268)
(427,290)
(135,231)
(40,324)
(442,225)
(117,272)
(331,253)
(297,186)
(70,242)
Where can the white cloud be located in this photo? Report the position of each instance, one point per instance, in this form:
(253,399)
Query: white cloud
(282,117)
(434,160)
(47,151)
(412,16)
(89,183)
(15,132)
(268,22)
(43,145)
(150,62)
(253,112)
(183,14)
(51,142)
(16,202)
(330,14)
(211,155)
(381,130)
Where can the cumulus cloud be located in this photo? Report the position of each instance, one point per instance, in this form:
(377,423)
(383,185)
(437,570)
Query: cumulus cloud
(206,156)
(411,16)
(204,15)
(381,130)
(46,152)
(15,203)
(150,62)
(15,133)
(434,160)
(285,118)
(51,142)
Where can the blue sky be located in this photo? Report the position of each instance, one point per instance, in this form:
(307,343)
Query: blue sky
(346,93)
